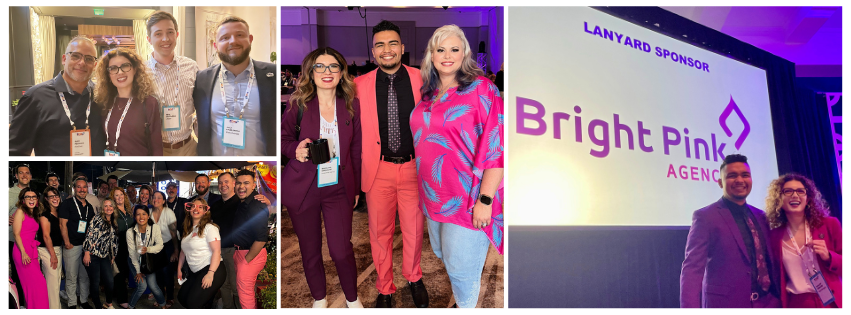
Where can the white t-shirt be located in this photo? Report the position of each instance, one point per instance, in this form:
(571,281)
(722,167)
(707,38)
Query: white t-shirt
(329,130)
(166,217)
(197,250)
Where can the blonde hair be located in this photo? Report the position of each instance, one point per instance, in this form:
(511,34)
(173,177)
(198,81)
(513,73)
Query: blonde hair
(105,91)
(127,204)
(815,211)
(466,75)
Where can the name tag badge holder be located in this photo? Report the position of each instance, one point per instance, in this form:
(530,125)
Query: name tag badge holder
(233,132)
(328,173)
(111,153)
(816,277)
(233,129)
(81,227)
(81,142)
(171,118)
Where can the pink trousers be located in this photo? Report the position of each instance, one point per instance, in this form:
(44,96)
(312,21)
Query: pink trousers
(246,276)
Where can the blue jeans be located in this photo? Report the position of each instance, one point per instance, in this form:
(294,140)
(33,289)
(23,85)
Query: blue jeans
(148,281)
(463,252)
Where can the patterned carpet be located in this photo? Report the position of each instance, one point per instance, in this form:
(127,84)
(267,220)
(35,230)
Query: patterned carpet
(295,293)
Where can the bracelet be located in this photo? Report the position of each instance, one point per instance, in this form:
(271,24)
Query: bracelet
(209,271)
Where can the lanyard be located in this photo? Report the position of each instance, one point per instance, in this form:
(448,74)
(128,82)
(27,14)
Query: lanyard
(247,91)
(120,122)
(68,111)
(177,81)
(123,217)
(78,210)
(170,206)
(808,239)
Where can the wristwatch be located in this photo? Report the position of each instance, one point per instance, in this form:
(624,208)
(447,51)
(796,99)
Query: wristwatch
(485,199)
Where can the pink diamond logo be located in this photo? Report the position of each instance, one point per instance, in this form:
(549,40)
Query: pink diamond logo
(732,107)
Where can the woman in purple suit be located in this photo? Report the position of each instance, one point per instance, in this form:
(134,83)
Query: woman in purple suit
(330,111)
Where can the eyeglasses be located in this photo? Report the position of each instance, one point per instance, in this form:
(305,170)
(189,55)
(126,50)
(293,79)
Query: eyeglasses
(53,197)
(189,206)
(30,197)
(75,57)
(320,68)
(799,192)
(126,67)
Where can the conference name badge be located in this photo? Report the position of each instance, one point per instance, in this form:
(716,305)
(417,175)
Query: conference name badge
(111,153)
(81,227)
(171,118)
(818,282)
(328,172)
(81,142)
(233,134)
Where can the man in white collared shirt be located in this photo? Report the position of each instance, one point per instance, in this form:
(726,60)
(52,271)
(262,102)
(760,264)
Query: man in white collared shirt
(175,79)
(235,101)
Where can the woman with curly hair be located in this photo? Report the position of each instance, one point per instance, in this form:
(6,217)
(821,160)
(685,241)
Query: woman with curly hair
(126,90)
(806,240)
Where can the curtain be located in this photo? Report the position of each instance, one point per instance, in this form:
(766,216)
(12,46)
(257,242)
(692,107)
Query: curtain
(47,26)
(140,33)
(496,54)
(38,55)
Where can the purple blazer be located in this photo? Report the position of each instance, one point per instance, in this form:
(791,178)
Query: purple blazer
(716,270)
(300,176)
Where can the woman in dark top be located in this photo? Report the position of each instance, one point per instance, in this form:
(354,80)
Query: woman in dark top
(131,113)
(124,220)
(101,247)
(50,244)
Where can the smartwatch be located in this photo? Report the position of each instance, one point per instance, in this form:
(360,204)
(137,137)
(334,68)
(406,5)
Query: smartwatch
(485,199)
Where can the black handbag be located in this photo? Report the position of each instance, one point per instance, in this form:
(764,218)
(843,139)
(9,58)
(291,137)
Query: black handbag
(151,263)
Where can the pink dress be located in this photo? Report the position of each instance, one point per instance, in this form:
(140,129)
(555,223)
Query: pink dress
(32,281)
(456,138)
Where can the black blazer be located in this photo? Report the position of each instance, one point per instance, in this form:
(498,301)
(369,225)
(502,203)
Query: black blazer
(203,96)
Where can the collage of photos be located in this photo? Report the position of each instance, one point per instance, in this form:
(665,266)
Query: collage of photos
(300,156)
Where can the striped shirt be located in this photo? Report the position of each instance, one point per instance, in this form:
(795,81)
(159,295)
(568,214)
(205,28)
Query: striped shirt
(166,79)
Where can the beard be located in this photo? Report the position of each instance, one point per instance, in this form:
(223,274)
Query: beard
(225,58)
(78,78)
(202,192)
(390,66)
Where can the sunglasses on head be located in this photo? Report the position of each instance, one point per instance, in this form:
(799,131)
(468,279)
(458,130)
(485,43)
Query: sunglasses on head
(189,206)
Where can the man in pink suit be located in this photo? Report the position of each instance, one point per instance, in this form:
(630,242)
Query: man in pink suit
(389,174)
(728,262)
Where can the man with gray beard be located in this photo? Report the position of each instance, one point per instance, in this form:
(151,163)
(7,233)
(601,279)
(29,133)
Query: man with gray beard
(43,121)
(235,101)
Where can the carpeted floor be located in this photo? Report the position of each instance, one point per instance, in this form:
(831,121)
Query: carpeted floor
(295,293)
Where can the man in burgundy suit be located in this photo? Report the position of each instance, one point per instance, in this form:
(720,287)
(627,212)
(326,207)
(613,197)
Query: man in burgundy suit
(728,263)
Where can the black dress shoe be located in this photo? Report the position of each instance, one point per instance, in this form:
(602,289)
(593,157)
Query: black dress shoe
(86,306)
(419,293)
(384,301)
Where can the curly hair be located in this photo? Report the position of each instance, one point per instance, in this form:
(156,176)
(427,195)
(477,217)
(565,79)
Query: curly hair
(126,203)
(206,219)
(466,75)
(815,212)
(105,91)
(306,90)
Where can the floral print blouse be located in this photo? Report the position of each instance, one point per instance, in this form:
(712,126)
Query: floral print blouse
(101,240)
(456,138)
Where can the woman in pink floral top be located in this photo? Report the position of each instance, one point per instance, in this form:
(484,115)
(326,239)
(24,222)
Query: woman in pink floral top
(458,138)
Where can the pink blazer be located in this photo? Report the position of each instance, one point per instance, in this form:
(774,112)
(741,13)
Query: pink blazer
(831,232)
(369,121)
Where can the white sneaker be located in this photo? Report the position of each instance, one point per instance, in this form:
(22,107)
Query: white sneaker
(323,303)
(355,304)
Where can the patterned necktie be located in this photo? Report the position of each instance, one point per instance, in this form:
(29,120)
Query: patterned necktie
(761,266)
(392,117)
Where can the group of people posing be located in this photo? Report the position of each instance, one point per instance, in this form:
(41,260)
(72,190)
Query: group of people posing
(141,108)
(738,256)
(213,242)
(426,144)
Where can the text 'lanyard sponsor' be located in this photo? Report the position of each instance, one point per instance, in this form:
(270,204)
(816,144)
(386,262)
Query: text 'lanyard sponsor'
(120,122)
(808,240)
(247,91)
(68,111)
